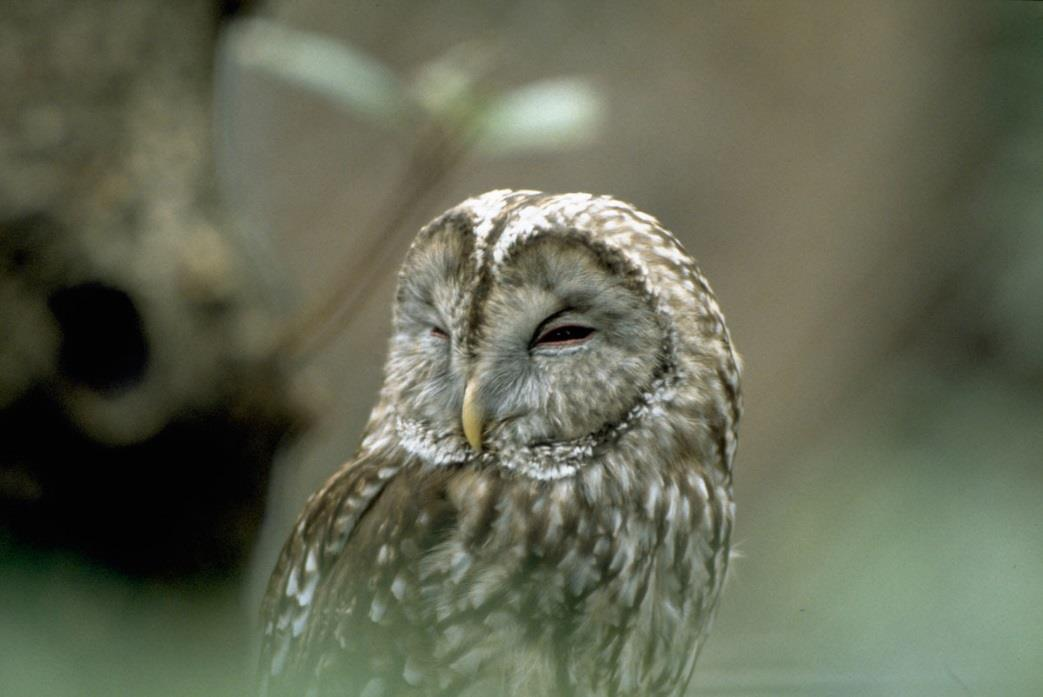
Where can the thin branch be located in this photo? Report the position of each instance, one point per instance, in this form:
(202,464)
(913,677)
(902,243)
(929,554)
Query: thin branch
(436,155)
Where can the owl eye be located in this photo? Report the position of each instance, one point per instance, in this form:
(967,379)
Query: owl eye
(439,332)
(566,334)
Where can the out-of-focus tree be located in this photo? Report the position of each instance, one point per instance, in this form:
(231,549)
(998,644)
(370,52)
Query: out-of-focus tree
(141,393)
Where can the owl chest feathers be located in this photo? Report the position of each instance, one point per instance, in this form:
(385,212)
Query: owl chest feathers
(463,579)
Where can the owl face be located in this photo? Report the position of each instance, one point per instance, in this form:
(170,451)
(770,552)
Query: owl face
(551,342)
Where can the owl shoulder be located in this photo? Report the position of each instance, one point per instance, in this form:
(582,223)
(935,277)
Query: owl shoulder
(325,526)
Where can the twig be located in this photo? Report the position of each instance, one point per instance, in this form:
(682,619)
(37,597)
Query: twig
(437,153)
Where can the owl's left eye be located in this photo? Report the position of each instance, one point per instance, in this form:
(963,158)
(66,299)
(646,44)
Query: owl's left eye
(563,335)
(438,332)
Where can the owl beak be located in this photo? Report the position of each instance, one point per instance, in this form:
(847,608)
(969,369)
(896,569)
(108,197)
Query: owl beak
(472,416)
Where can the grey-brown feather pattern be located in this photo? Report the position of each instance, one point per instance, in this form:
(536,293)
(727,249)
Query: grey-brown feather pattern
(583,550)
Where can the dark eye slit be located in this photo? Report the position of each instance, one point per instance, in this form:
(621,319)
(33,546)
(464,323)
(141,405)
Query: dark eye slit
(547,320)
(568,333)
(564,334)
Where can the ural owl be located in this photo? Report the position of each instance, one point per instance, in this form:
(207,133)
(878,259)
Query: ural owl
(542,502)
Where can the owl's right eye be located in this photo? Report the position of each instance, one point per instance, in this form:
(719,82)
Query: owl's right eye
(439,333)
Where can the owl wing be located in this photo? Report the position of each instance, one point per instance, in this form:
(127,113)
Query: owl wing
(342,607)
(322,531)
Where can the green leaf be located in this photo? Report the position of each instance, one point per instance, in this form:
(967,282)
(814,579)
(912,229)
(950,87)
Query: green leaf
(551,114)
(447,87)
(335,70)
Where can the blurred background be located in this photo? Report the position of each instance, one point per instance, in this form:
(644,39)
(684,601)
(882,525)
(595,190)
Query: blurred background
(203,205)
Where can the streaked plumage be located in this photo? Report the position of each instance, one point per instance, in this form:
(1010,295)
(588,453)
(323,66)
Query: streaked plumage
(578,544)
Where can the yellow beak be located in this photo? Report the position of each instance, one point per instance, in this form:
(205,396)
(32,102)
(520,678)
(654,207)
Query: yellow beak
(472,416)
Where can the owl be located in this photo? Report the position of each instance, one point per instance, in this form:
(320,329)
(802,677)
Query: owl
(542,501)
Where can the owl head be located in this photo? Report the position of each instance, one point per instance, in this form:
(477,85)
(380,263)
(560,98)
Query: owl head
(531,330)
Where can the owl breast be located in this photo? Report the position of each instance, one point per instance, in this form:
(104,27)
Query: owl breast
(537,588)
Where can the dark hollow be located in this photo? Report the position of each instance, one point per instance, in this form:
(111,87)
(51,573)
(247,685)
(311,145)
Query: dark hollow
(103,340)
